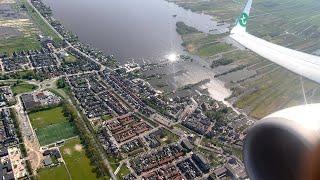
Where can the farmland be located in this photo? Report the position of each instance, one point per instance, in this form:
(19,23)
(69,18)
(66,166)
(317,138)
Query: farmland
(260,87)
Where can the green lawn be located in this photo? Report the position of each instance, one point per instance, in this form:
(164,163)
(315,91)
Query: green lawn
(70,58)
(55,132)
(23,88)
(58,172)
(124,170)
(106,117)
(45,118)
(114,162)
(169,137)
(76,160)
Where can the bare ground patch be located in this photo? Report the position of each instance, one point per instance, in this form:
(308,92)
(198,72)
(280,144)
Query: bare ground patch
(67,151)
(78,147)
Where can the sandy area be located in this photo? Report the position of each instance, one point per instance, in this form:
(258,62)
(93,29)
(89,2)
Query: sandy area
(78,147)
(217,90)
(67,151)
(7,1)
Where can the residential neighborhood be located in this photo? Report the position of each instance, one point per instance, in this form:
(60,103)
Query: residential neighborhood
(68,104)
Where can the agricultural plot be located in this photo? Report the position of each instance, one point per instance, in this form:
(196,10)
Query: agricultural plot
(260,87)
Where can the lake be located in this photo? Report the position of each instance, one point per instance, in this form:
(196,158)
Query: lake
(141,29)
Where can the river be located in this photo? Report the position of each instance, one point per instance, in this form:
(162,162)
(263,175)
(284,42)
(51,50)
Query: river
(139,29)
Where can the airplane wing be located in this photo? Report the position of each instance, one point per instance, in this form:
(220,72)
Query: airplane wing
(301,63)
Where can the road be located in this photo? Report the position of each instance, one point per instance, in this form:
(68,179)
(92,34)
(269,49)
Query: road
(29,137)
(102,154)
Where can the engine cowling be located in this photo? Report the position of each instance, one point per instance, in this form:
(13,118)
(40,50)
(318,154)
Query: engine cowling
(278,146)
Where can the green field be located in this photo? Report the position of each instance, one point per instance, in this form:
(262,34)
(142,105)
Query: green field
(51,125)
(291,23)
(25,40)
(58,172)
(23,88)
(48,117)
(55,132)
(22,43)
(76,160)
(124,170)
(212,49)
(169,137)
(70,58)
(40,23)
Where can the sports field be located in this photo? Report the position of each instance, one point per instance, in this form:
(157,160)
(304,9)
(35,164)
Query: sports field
(55,132)
(45,118)
(76,160)
(51,125)
(58,172)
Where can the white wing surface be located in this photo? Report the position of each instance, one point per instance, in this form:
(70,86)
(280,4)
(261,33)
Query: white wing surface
(301,63)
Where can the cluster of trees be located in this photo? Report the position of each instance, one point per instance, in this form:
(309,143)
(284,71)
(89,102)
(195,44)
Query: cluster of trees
(184,29)
(87,140)
(61,83)
(218,116)
(21,144)
(26,75)
(221,62)
(238,68)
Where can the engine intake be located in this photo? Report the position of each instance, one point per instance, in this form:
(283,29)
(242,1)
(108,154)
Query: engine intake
(277,146)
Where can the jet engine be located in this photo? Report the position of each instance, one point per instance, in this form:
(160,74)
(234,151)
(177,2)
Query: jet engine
(281,146)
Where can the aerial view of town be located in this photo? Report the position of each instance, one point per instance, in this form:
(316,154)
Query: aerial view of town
(73,106)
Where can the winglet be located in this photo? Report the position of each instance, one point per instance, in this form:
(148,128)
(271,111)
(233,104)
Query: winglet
(242,21)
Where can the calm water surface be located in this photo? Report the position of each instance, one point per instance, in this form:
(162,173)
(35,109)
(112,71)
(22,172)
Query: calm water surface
(139,29)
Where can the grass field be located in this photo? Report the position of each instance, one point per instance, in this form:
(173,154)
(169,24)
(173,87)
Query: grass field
(19,44)
(124,170)
(23,88)
(114,162)
(76,160)
(55,132)
(212,49)
(40,23)
(48,117)
(51,125)
(169,137)
(25,40)
(70,58)
(58,172)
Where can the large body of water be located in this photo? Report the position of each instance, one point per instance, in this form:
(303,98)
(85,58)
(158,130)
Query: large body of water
(144,30)
(139,29)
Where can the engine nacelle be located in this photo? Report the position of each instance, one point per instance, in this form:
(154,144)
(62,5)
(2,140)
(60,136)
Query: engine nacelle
(277,146)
